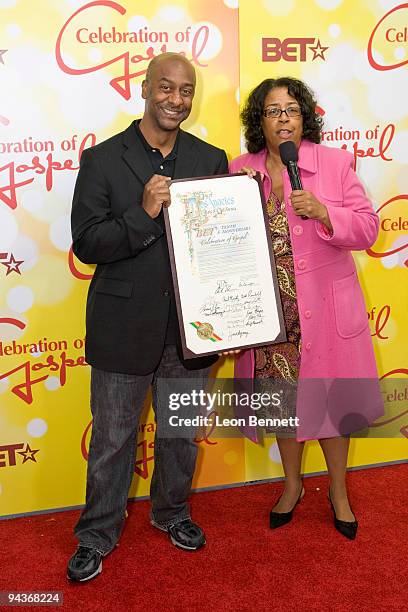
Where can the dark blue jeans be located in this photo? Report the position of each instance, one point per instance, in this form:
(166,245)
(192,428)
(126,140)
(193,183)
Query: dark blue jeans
(116,404)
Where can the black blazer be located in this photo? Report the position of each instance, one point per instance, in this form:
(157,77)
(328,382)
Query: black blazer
(129,295)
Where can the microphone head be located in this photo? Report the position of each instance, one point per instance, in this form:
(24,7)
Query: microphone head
(288,152)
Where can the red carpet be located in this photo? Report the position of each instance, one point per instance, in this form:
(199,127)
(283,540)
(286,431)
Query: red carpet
(304,566)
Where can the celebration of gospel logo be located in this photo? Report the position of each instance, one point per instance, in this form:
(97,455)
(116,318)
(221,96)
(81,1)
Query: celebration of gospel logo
(145,448)
(391,223)
(388,32)
(195,39)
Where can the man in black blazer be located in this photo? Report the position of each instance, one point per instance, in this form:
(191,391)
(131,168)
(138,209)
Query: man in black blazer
(132,335)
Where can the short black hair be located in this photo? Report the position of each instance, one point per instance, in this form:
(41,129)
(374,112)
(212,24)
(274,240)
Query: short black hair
(166,56)
(252,113)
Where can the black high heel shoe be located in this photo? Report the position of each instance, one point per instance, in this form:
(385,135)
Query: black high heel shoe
(347,528)
(278,519)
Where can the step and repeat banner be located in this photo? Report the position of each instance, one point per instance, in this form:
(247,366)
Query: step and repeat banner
(70,77)
(354,55)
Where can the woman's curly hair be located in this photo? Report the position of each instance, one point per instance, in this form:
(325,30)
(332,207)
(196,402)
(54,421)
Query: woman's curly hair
(253,111)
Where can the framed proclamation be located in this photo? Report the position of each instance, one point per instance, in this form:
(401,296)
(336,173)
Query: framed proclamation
(223,267)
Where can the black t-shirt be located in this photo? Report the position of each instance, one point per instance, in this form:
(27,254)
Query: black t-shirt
(164,166)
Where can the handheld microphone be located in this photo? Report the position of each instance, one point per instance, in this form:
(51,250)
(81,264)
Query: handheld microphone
(289,156)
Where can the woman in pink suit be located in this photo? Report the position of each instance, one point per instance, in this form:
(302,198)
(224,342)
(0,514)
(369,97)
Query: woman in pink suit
(328,343)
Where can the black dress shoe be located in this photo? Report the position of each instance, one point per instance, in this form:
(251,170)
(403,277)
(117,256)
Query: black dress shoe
(85,564)
(347,528)
(186,534)
(278,519)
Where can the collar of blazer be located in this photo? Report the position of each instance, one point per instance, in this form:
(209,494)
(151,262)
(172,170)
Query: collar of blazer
(136,157)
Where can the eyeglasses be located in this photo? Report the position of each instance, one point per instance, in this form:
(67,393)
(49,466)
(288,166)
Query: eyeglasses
(274,112)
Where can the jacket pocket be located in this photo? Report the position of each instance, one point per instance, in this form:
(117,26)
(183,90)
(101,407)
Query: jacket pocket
(114,286)
(349,306)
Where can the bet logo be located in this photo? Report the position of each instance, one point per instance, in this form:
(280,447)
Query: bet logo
(292,49)
(9,452)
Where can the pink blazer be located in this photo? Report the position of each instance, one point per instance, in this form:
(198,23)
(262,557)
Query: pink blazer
(336,341)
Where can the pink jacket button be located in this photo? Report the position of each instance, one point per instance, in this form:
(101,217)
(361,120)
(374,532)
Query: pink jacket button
(298,230)
(308,314)
(308,346)
(301,264)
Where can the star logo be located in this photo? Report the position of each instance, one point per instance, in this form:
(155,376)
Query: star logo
(2,52)
(12,264)
(318,51)
(28,454)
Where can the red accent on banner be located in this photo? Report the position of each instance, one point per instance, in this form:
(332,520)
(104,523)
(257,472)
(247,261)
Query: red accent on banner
(381,321)
(24,390)
(371,59)
(84,447)
(396,371)
(39,166)
(8,454)
(384,143)
(8,193)
(29,454)
(404,428)
(142,465)
(12,264)
(73,269)
(207,434)
(10,321)
(291,49)
(370,252)
(198,45)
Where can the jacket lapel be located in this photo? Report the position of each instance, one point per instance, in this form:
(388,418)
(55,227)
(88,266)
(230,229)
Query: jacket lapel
(137,159)
(258,161)
(187,157)
(135,155)
(307,156)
